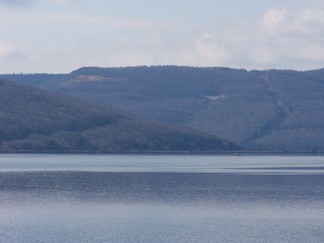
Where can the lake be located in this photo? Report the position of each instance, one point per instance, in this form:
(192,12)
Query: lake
(135,198)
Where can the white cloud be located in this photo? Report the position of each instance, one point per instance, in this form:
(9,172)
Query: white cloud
(278,38)
(312,52)
(207,51)
(85,21)
(292,38)
(6,50)
(273,19)
(32,2)
(18,2)
(159,49)
(279,20)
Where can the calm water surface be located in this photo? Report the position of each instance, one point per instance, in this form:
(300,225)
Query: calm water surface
(98,198)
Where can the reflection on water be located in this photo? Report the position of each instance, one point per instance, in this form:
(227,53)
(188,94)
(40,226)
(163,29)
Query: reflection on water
(129,163)
(162,187)
(133,202)
(151,222)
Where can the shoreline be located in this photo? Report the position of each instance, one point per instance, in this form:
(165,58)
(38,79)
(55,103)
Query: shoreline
(229,153)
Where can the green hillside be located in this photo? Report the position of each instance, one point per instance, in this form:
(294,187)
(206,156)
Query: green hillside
(32,120)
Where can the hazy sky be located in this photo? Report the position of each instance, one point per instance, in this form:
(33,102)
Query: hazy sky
(63,35)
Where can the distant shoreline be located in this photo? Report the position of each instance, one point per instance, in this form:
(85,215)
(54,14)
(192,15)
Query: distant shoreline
(229,153)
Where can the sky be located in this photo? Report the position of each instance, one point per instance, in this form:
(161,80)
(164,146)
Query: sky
(59,36)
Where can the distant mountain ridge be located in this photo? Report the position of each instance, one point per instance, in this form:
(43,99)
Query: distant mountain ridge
(32,120)
(276,110)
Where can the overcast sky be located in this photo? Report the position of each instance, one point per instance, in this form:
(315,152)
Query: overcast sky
(59,36)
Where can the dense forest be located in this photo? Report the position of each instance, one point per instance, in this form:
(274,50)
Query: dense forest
(275,110)
(32,120)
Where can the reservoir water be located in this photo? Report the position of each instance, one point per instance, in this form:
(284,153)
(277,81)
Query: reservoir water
(114,198)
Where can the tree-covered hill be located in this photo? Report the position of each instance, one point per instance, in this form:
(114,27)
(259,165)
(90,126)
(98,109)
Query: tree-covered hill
(279,110)
(35,120)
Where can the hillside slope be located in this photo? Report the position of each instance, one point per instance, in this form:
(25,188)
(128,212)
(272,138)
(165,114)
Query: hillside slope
(34,120)
(272,110)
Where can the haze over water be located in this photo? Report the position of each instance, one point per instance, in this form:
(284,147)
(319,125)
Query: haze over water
(82,198)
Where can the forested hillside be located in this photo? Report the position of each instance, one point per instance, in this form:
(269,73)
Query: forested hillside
(32,120)
(279,110)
